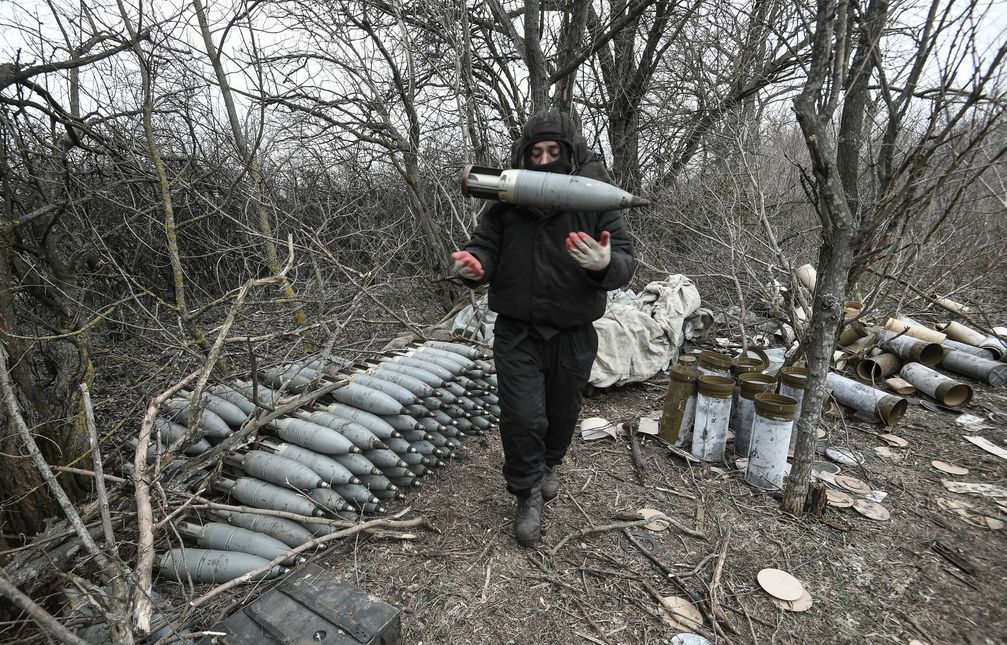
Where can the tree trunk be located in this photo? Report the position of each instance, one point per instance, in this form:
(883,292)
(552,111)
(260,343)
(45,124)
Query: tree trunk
(538,79)
(45,375)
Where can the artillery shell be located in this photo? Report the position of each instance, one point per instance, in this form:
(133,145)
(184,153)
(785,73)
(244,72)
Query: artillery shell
(330,470)
(397,392)
(232,396)
(423,364)
(383,458)
(358,464)
(378,426)
(464,362)
(425,376)
(357,434)
(399,446)
(280,470)
(468,352)
(375,483)
(330,500)
(214,535)
(367,399)
(260,494)
(313,436)
(287,531)
(411,383)
(172,432)
(212,566)
(354,493)
(212,425)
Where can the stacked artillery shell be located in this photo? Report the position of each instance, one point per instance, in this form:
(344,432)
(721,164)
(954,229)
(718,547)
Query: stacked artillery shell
(212,565)
(382,430)
(216,421)
(287,531)
(278,470)
(169,432)
(225,537)
(211,425)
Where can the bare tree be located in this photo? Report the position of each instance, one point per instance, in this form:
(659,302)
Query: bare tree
(915,167)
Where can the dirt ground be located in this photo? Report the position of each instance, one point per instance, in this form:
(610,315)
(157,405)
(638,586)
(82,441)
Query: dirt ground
(468,581)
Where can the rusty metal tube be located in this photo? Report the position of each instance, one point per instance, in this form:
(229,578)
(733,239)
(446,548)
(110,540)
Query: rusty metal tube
(983,369)
(860,396)
(771,430)
(931,382)
(875,368)
(916,331)
(981,352)
(681,393)
(713,412)
(962,333)
(911,349)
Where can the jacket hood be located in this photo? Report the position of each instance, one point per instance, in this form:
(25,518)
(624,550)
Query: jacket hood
(552,126)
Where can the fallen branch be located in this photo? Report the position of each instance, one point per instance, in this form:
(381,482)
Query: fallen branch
(692,625)
(632,517)
(621,526)
(678,583)
(631,426)
(99,479)
(715,582)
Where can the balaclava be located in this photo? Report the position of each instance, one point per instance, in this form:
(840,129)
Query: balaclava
(548,126)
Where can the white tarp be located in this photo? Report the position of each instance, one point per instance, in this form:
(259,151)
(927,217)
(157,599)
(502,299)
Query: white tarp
(639,336)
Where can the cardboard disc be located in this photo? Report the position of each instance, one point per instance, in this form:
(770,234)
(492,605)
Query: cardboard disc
(893,440)
(885,451)
(801,604)
(872,510)
(656,525)
(780,584)
(949,468)
(679,612)
(852,484)
(838,498)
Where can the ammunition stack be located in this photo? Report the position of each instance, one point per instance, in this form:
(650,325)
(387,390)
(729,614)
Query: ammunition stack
(386,424)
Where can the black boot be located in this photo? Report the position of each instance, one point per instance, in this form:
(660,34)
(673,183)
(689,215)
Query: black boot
(528,520)
(550,483)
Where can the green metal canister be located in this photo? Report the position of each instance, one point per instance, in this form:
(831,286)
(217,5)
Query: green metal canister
(679,403)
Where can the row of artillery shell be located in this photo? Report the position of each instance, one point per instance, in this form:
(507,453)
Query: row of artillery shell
(345,455)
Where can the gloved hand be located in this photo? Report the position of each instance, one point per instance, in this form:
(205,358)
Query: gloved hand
(590,254)
(468,266)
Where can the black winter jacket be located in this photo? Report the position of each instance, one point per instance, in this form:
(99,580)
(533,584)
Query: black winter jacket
(532,277)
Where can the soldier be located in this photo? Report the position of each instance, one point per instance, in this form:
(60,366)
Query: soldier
(548,272)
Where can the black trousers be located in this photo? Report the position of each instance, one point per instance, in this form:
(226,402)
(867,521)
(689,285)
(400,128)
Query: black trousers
(540,385)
